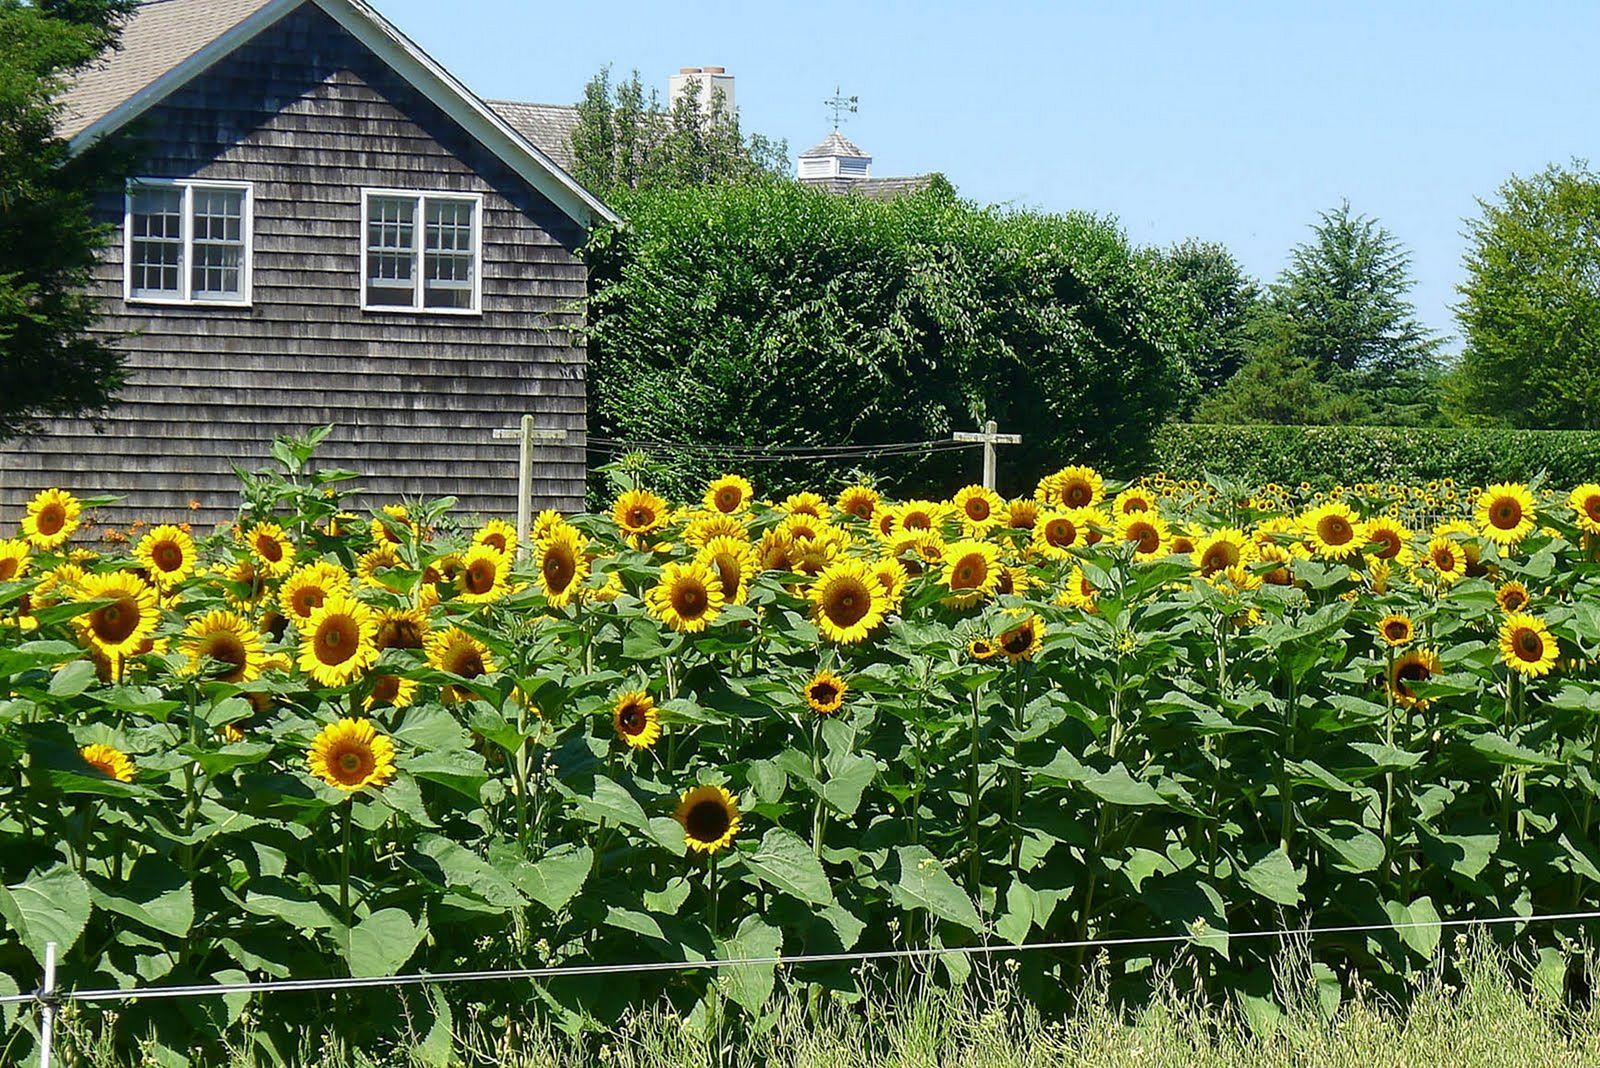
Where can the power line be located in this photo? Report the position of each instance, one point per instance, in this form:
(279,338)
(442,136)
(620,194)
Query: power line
(578,970)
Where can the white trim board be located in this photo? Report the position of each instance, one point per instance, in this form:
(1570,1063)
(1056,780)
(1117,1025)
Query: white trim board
(407,60)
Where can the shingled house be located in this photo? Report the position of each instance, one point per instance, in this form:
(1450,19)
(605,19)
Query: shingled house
(324,226)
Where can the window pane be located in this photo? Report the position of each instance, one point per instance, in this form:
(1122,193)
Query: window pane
(218,219)
(391,251)
(449,242)
(156,253)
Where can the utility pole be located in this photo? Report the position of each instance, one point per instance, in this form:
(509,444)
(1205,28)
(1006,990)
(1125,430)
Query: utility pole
(527,435)
(990,438)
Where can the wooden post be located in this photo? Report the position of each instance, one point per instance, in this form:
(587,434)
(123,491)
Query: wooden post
(527,436)
(990,438)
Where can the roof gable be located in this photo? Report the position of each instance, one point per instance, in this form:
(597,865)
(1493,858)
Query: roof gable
(181,39)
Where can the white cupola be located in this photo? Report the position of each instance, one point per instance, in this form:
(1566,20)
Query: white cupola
(834,157)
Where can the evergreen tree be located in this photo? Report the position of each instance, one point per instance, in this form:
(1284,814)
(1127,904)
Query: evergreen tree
(48,237)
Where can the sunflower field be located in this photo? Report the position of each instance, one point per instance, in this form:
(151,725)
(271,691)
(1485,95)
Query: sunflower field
(324,744)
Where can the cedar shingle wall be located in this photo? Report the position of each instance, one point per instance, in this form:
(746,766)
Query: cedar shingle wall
(309,116)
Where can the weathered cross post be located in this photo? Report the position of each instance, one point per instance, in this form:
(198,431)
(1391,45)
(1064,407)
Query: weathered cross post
(990,439)
(527,435)
(47,1006)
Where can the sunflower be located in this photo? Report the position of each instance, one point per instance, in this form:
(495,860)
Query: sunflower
(351,754)
(1133,499)
(459,653)
(640,513)
(336,643)
(498,535)
(13,560)
(773,551)
(914,516)
(228,639)
(1146,530)
(1334,531)
(1447,560)
(1072,487)
(981,649)
(1078,593)
(971,572)
(110,762)
(1273,553)
(379,558)
(605,592)
(483,576)
(1512,596)
(810,504)
(51,519)
(1396,629)
(636,719)
(1416,666)
(563,565)
(167,554)
(825,693)
(846,602)
(802,527)
(688,597)
(734,563)
(886,521)
(121,627)
(391,690)
(1022,640)
(393,524)
(979,508)
(1021,515)
(710,818)
(1505,513)
(1011,581)
(309,586)
(270,549)
(1527,646)
(892,579)
(728,495)
(1057,532)
(1392,539)
(400,628)
(1585,504)
(706,526)
(858,501)
(55,584)
(1222,549)
(920,550)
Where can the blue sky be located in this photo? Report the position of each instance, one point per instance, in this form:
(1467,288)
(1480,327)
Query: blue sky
(1233,122)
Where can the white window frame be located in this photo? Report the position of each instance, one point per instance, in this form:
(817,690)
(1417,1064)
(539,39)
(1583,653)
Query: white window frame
(418,238)
(186,264)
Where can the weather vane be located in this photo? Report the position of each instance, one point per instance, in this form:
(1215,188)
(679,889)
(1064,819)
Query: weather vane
(841,105)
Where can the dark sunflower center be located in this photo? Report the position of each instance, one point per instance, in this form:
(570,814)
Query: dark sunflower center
(689,600)
(1218,558)
(306,599)
(479,577)
(269,549)
(1529,645)
(640,517)
(1145,537)
(978,509)
(468,664)
(1514,599)
(707,821)
(8,569)
(727,499)
(52,517)
(1445,559)
(1395,630)
(1334,530)
(1591,507)
(558,568)
(167,556)
(632,719)
(969,572)
(1390,542)
(848,603)
(495,541)
(400,634)
(1077,494)
(1017,641)
(917,521)
(824,693)
(1061,533)
(337,640)
(1507,513)
(1412,672)
(226,649)
(727,572)
(386,689)
(116,622)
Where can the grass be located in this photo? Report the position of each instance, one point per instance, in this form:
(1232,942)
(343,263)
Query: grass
(1490,1016)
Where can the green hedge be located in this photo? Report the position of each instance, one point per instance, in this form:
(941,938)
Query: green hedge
(1328,455)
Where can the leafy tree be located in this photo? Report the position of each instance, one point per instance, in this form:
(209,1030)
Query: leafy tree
(48,237)
(1530,307)
(1341,310)
(1225,300)
(772,314)
(626,139)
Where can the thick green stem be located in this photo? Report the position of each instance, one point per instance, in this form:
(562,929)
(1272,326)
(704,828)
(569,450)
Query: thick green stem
(819,815)
(344,859)
(1018,704)
(976,863)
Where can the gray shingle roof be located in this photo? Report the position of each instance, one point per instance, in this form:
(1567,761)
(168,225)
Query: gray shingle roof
(835,144)
(159,36)
(548,126)
(872,188)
